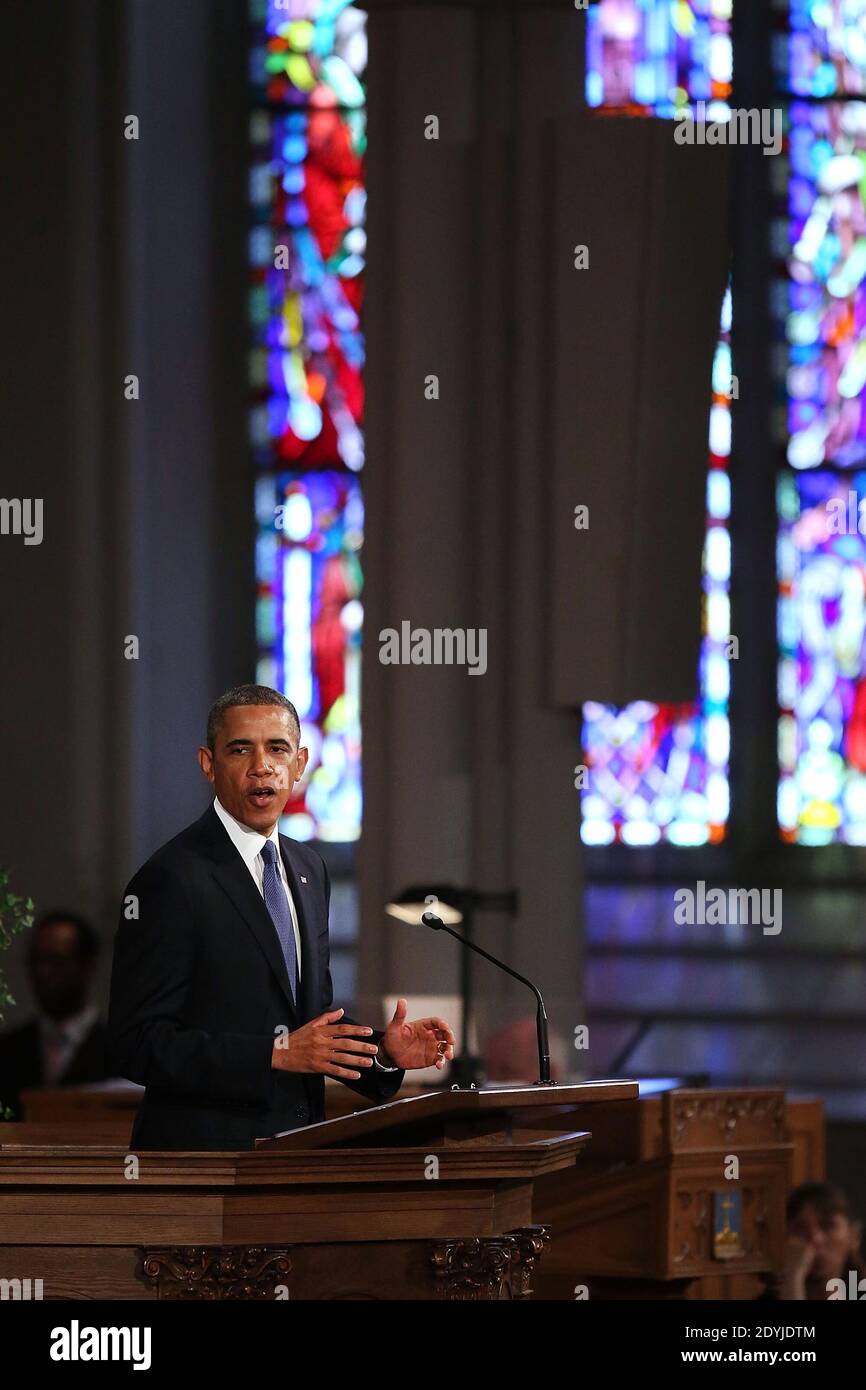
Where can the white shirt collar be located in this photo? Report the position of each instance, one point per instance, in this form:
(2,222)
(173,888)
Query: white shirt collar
(248,843)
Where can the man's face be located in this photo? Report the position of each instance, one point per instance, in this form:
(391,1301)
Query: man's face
(255,764)
(833,1239)
(59,977)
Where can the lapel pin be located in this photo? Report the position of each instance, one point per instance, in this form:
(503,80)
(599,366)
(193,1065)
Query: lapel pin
(303,880)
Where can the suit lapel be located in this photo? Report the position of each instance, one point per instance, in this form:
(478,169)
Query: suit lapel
(300,889)
(88,1061)
(236,881)
(28,1062)
(234,877)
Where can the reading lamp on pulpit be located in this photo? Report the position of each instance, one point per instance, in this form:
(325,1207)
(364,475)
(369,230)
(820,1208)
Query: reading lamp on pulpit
(455,907)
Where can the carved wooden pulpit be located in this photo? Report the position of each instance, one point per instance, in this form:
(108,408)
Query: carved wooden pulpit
(428,1197)
(681,1196)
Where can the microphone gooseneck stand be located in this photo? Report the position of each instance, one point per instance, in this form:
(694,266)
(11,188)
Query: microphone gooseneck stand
(544,1079)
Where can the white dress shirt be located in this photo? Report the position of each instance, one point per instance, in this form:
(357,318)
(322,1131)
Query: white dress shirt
(249,844)
(61,1040)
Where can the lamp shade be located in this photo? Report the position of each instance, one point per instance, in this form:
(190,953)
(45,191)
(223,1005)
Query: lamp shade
(442,898)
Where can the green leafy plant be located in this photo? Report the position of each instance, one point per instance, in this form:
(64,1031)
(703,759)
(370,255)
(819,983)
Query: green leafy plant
(16,915)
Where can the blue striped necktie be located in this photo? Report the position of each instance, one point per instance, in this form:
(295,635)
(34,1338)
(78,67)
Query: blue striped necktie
(278,906)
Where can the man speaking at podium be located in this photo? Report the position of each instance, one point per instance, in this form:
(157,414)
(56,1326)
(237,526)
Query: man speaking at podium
(221,997)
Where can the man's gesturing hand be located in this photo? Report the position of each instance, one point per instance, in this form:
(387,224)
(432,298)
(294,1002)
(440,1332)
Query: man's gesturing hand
(425,1042)
(325,1046)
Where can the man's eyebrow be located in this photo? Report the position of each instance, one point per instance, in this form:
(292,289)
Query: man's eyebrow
(244,742)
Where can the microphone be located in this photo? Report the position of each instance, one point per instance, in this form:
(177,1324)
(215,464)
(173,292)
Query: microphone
(436,924)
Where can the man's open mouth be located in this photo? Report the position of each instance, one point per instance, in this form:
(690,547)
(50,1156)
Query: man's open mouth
(261,795)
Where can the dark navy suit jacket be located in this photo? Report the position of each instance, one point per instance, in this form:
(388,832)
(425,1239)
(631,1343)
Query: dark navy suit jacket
(199,991)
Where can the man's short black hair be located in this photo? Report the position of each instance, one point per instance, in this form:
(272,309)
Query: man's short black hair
(247,695)
(88,938)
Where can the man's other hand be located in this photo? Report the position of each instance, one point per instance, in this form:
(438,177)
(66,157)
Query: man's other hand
(326,1047)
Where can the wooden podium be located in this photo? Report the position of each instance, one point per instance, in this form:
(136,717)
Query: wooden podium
(636,1217)
(428,1197)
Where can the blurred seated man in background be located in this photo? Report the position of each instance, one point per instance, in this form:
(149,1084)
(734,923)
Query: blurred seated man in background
(65,1045)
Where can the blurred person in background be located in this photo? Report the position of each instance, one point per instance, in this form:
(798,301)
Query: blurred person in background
(511,1053)
(823,1245)
(65,1044)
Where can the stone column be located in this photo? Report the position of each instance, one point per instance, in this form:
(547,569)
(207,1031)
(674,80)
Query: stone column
(468,779)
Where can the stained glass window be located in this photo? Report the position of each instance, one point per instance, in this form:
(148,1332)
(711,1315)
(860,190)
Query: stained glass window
(825,54)
(822,637)
(824,303)
(820,312)
(306,254)
(660,772)
(656,57)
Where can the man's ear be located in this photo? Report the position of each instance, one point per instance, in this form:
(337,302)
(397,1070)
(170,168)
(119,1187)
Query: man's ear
(205,762)
(303,758)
